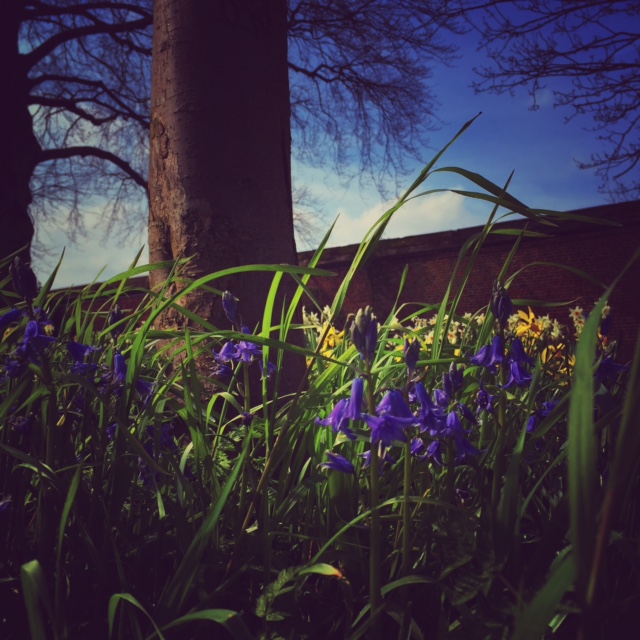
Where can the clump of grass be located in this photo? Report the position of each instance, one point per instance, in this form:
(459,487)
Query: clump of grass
(439,473)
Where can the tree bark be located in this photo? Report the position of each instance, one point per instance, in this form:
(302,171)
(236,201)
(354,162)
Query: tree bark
(220,174)
(20,151)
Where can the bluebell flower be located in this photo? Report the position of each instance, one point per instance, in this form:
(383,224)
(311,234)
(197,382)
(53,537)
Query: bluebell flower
(518,353)
(500,304)
(364,334)
(111,430)
(34,342)
(430,416)
(464,450)
(79,352)
(490,355)
(10,317)
(14,368)
(166,436)
(517,375)
(230,308)
(337,462)
(268,371)
(385,458)
(345,411)
(608,369)
(387,429)
(418,448)
(247,351)
(453,426)
(441,398)
(484,400)
(21,424)
(537,416)
(246,418)
(434,451)
(411,354)
(5,503)
(467,413)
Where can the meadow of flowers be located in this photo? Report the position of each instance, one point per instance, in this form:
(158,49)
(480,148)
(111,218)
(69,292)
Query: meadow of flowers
(440,473)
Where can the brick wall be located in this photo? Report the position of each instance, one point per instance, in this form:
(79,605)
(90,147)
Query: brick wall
(600,251)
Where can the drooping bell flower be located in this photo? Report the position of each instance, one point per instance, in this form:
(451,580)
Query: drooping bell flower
(518,353)
(517,375)
(230,308)
(336,462)
(500,304)
(430,417)
(394,417)
(484,400)
(411,354)
(490,355)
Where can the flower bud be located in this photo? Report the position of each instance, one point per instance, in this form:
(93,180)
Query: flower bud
(364,334)
(230,308)
(500,304)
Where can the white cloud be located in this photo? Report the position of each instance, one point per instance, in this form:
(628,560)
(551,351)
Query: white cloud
(84,260)
(429,214)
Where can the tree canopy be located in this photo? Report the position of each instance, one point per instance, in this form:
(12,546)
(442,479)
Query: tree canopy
(359,100)
(590,51)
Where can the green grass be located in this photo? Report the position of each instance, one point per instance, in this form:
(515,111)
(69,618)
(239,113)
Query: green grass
(145,503)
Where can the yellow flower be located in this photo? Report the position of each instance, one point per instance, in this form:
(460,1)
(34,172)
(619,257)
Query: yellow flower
(527,324)
(331,340)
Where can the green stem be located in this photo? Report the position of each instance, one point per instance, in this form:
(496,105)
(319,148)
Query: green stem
(375,594)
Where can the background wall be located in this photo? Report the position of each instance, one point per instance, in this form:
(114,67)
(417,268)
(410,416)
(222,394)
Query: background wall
(601,251)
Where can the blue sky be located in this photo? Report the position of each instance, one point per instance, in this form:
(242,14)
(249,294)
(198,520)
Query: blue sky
(538,145)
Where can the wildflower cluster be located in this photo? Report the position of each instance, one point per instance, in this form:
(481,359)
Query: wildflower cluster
(408,415)
(241,351)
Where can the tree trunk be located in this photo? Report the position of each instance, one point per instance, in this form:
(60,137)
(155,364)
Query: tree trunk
(20,151)
(220,175)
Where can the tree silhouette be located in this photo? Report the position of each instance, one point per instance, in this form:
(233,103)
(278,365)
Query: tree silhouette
(78,97)
(592,45)
(78,121)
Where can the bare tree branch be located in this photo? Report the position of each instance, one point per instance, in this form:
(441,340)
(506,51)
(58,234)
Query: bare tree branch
(68,152)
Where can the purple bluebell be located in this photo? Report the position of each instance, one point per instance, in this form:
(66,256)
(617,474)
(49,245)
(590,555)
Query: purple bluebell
(246,418)
(385,458)
(608,369)
(434,451)
(411,354)
(230,308)
(111,430)
(79,352)
(467,413)
(227,353)
(268,371)
(430,417)
(387,429)
(518,354)
(500,304)
(418,449)
(517,375)
(34,342)
(166,436)
(247,351)
(336,462)
(364,334)
(484,400)
(490,355)
(10,317)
